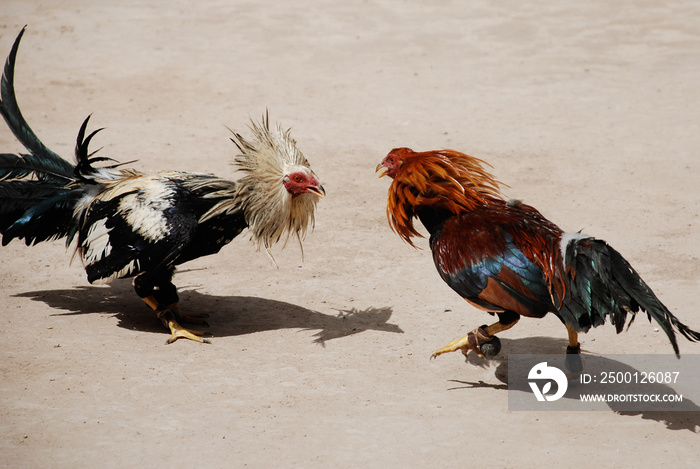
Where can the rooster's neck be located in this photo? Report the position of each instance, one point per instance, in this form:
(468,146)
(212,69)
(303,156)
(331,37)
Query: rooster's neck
(433,218)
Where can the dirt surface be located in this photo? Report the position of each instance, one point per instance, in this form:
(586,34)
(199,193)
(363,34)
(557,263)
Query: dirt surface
(587,110)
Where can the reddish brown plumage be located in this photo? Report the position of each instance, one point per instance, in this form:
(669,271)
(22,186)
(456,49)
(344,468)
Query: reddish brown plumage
(505,256)
(445,179)
(460,185)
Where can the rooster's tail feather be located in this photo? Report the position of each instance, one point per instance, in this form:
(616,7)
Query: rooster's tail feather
(36,202)
(44,163)
(601,283)
(640,292)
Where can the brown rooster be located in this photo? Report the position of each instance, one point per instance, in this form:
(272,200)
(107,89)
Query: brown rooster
(133,224)
(506,258)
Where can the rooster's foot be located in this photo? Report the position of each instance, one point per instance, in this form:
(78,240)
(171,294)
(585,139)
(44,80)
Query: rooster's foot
(475,341)
(170,317)
(167,316)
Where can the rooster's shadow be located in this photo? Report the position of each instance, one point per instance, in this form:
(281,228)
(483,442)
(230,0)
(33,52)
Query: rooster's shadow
(227,315)
(674,420)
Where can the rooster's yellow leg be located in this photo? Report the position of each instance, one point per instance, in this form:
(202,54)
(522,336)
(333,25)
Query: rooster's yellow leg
(574,346)
(474,339)
(167,317)
(574,361)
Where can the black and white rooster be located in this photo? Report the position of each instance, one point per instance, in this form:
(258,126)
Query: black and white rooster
(142,225)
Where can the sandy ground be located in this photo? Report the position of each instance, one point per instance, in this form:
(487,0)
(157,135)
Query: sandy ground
(587,110)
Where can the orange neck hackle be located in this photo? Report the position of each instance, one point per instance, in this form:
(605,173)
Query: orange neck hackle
(444,180)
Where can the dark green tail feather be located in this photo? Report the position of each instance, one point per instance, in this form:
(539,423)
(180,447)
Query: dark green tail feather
(603,285)
(648,301)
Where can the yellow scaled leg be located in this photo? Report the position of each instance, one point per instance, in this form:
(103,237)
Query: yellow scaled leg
(574,346)
(474,339)
(167,317)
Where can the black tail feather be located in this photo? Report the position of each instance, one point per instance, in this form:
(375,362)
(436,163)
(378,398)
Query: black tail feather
(602,284)
(49,161)
(19,166)
(47,219)
(16,197)
(84,158)
(648,301)
(37,197)
(39,190)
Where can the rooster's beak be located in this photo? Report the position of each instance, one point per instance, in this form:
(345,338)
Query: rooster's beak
(317,190)
(382,168)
